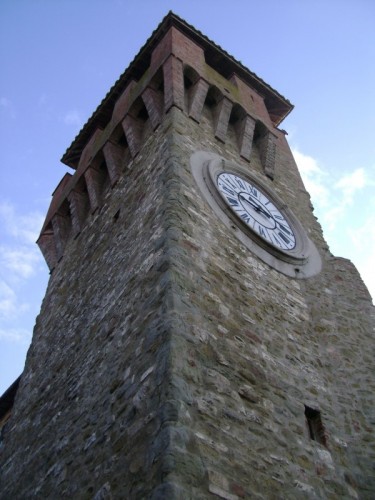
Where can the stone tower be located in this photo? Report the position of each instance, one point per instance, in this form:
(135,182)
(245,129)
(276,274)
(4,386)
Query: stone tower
(197,338)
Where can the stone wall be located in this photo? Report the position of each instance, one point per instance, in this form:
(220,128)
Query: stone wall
(260,348)
(94,395)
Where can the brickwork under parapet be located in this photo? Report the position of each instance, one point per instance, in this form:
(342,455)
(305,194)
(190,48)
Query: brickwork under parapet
(178,76)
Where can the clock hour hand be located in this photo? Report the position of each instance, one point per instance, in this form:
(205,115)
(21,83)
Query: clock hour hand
(255,206)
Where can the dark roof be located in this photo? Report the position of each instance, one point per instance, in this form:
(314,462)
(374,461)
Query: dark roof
(278,106)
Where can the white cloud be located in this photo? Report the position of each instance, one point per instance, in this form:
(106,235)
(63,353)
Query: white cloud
(7,300)
(368,275)
(351,183)
(10,308)
(19,254)
(313,177)
(72,117)
(26,228)
(344,210)
(362,240)
(333,215)
(15,335)
(347,192)
(331,197)
(21,260)
(365,233)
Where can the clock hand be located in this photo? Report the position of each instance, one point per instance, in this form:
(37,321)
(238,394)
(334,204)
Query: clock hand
(256,207)
(250,202)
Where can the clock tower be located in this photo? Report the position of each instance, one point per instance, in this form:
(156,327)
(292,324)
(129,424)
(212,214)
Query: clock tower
(197,338)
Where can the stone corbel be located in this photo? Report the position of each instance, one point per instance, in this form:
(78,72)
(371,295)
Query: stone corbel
(153,101)
(267,148)
(61,225)
(113,155)
(173,83)
(46,243)
(133,133)
(221,116)
(245,135)
(78,203)
(198,93)
(92,178)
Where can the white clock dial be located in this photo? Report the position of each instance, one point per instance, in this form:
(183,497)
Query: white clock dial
(249,203)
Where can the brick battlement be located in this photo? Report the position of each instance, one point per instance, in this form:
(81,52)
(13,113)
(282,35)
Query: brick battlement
(179,75)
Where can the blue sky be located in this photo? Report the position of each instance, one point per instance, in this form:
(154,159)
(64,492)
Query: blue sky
(60,57)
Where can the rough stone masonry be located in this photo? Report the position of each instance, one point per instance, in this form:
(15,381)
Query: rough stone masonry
(168,361)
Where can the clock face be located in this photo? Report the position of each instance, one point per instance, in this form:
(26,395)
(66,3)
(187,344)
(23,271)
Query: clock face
(250,204)
(255,215)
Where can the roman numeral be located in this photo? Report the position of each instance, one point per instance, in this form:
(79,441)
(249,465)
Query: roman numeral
(245,217)
(283,228)
(283,237)
(277,241)
(229,183)
(240,183)
(262,232)
(233,202)
(229,191)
